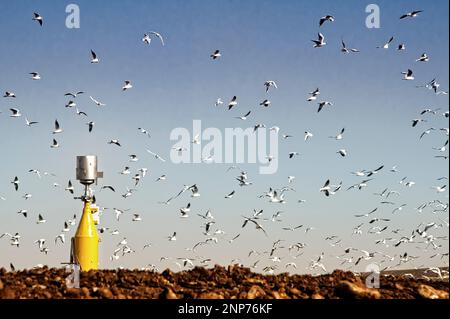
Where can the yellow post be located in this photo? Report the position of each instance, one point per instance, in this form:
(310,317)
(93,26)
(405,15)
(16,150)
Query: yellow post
(86,240)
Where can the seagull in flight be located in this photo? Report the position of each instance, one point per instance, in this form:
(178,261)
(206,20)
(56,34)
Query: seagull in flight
(387,44)
(326,18)
(230,195)
(244,117)
(9,94)
(265,103)
(74,95)
(55,144)
(342,152)
(98,103)
(80,112)
(308,135)
(173,237)
(156,156)
(108,187)
(427,132)
(367,214)
(215,55)
(38,18)
(314,95)
(15,112)
(127,85)
(412,14)
(345,50)
(423,58)
(416,121)
(408,75)
(29,123)
(218,102)
(292,154)
(232,103)
(361,185)
(35,76)
(115,142)
(322,104)
(41,219)
(144,131)
(16,183)
(339,136)
(147,37)
(401,47)
(71,104)
(320,42)
(58,128)
(69,187)
(440,189)
(269,84)
(94,58)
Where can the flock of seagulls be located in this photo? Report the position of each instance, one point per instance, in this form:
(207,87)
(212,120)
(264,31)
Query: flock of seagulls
(281,254)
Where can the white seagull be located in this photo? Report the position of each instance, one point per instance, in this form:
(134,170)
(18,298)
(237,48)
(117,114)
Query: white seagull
(94,58)
(320,42)
(35,76)
(127,86)
(408,75)
(38,18)
(98,103)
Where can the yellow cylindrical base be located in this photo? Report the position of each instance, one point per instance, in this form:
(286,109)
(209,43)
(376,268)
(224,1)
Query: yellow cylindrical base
(86,241)
(86,252)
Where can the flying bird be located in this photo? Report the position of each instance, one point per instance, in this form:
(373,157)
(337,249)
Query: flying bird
(408,75)
(15,113)
(16,183)
(94,58)
(115,142)
(269,84)
(320,42)
(147,39)
(74,95)
(244,117)
(326,18)
(35,76)
(412,14)
(232,103)
(9,94)
(127,85)
(58,128)
(38,18)
(215,55)
(387,44)
(98,103)
(345,50)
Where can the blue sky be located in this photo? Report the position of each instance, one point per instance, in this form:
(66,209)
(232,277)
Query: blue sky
(177,83)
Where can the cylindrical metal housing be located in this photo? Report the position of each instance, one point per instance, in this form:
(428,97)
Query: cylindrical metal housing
(87,169)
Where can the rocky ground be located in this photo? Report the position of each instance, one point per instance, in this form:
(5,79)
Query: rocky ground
(215,283)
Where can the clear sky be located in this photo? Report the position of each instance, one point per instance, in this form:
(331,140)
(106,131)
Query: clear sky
(178,83)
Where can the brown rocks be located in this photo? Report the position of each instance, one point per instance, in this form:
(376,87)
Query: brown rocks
(210,295)
(105,293)
(255,292)
(169,294)
(428,292)
(232,282)
(357,290)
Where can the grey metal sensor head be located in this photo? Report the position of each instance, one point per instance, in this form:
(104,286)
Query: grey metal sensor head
(86,171)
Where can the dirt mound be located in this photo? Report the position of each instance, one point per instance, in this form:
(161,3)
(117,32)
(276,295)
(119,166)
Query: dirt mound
(216,283)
